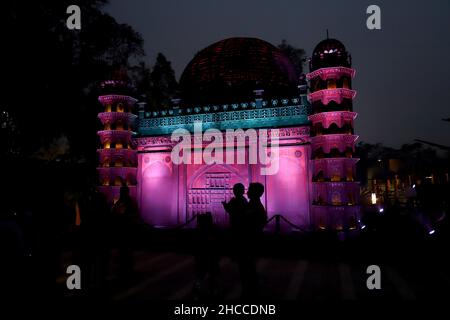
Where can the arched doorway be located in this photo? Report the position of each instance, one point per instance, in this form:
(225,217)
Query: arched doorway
(208,187)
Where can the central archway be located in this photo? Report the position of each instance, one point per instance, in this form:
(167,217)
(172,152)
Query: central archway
(209,186)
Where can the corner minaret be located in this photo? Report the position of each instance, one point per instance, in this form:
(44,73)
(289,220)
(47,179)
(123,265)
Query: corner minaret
(335,198)
(117,157)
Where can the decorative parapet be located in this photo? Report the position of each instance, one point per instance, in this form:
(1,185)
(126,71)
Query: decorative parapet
(126,156)
(331,73)
(122,136)
(117,98)
(327,95)
(114,117)
(337,117)
(287,115)
(301,100)
(297,135)
(334,141)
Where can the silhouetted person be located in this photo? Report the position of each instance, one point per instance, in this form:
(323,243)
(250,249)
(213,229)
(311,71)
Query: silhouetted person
(253,223)
(236,207)
(94,212)
(206,257)
(256,215)
(125,217)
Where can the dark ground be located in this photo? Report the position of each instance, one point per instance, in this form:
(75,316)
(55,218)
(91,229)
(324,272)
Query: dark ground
(309,267)
(295,266)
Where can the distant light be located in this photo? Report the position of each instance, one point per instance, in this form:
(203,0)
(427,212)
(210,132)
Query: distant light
(414,185)
(379,160)
(429,177)
(431,232)
(362,227)
(381,210)
(374,198)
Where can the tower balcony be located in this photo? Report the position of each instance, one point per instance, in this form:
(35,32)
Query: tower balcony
(117,157)
(337,117)
(336,193)
(112,193)
(335,218)
(341,142)
(334,169)
(110,176)
(109,118)
(117,98)
(337,95)
(115,136)
(331,73)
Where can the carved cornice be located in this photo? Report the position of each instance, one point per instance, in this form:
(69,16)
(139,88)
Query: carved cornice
(336,117)
(331,141)
(128,156)
(251,118)
(113,98)
(331,73)
(112,136)
(327,95)
(299,134)
(113,117)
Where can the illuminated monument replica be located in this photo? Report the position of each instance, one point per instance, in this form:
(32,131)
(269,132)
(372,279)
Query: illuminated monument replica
(240,83)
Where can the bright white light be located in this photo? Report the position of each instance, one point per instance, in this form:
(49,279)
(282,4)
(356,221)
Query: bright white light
(362,227)
(374,198)
(381,210)
(431,232)
(414,185)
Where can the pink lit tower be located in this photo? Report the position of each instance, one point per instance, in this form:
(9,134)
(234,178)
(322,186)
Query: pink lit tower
(335,197)
(117,157)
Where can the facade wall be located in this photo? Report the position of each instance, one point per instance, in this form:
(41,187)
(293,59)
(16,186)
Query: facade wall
(170,194)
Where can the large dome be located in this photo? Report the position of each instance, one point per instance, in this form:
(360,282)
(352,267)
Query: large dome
(231,69)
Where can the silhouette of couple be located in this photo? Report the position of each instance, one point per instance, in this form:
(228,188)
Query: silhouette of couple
(246,216)
(247,220)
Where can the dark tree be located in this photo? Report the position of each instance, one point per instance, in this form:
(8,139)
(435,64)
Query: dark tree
(51,73)
(163,83)
(140,76)
(296,55)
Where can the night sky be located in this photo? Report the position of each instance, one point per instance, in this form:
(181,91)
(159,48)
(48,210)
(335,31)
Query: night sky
(402,70)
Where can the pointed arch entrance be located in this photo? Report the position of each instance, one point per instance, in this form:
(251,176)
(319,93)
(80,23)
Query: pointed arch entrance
(209,186)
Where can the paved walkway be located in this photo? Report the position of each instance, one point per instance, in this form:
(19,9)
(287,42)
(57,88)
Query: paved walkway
(170,276)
